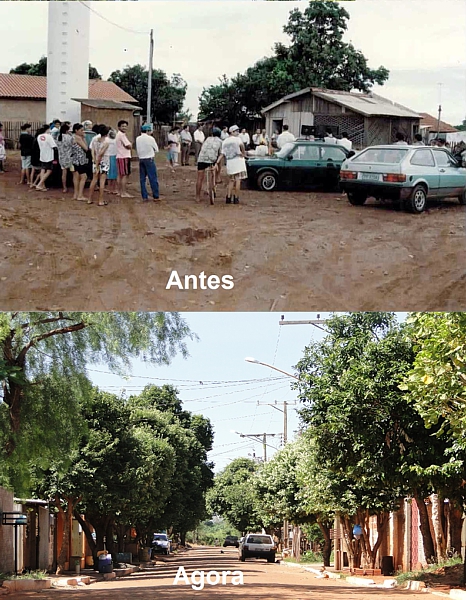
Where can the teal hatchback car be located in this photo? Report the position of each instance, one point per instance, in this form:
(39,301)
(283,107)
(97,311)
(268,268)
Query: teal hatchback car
(298,165)
(410,175)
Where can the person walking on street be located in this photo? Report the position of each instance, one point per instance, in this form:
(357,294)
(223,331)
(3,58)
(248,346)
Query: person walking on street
(186,141)
(234,153)
(26,142)
(123,159)
(199,139)
(146,148)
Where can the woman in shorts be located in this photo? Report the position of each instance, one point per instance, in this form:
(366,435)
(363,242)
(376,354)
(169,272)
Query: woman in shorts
(35,159)
(64,145)
(113,171)
(101,158)
(79,159)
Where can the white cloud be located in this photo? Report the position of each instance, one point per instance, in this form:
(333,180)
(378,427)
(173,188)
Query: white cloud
(421,41)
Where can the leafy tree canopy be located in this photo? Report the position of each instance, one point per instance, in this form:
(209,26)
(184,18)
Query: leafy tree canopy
(40,68)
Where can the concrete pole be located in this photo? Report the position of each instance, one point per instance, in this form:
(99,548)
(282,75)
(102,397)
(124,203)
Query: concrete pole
(149,82)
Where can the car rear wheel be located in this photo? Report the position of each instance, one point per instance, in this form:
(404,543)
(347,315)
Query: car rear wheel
(462,197)
(267,181)
(357,198)
(417,202)
(271,559)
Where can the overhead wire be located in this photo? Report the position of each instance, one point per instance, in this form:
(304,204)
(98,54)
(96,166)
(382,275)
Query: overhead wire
(127,29)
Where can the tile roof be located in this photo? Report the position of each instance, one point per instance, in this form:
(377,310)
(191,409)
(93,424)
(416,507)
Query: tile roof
(367,104)
(109,104)
(33,86)
(430,122)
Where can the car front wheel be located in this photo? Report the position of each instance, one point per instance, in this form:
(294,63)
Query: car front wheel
(418,200)
(356,198)
(242,558)
(267,181)
(462,197)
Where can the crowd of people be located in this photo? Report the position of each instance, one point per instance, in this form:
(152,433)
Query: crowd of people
(101,155)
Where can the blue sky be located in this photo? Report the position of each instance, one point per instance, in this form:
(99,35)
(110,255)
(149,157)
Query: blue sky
(231,387)
(421,42)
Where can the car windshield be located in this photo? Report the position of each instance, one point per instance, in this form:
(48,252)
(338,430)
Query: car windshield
(284,151)
(160,537)
(392,156)
(259,539)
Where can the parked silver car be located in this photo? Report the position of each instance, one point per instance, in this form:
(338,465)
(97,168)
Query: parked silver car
(257,545)
(407,174)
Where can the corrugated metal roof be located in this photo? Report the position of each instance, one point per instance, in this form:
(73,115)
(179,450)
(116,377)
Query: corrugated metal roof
(13,85)
(366,104)
(112,104)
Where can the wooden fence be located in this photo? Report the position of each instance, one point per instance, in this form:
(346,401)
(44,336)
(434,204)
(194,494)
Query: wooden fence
(12,131)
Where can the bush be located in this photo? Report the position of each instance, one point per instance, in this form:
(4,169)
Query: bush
(29,575)
(423,574)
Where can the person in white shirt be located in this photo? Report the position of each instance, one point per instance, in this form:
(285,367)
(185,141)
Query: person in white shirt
(256,138)
(146,148)
(285,137)
(101,158)
(186,141)
(244,137)
(345,142)
(199,139)
(400,139)
(46,145)
(329,139)
(418,140)
(234,153)
(224,134)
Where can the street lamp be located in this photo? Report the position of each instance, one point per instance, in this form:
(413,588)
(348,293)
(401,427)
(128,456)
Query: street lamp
(258,362)
(16,519)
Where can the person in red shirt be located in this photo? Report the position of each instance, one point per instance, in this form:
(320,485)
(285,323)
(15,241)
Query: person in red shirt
(123,146)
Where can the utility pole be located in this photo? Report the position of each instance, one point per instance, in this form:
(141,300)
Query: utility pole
(259,437)
(149,82)
(439,109)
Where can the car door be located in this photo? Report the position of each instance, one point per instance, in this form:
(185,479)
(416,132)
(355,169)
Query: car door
(331,158)
(422,166)
(451,176)
(305,165)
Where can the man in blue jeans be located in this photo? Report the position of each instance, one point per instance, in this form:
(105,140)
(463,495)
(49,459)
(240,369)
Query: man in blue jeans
(146,147)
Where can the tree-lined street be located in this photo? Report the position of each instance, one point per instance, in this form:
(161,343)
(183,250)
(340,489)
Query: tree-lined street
(262,581)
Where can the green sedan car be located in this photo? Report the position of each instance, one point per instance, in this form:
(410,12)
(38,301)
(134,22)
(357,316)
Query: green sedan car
(409,175)
(298,165)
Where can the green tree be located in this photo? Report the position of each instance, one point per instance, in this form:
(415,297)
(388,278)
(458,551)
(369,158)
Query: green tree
(233,495)
(168,94)
(317,56)
(65,343)
(359,421)
(40,68)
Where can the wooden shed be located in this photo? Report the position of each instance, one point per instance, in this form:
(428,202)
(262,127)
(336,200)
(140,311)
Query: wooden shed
(367,118)
(109,112)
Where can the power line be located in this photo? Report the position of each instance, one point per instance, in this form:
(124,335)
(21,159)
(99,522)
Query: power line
(128,29)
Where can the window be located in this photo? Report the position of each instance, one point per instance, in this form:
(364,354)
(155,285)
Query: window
(391,156)
(444,159)
(306,153)
(423,158)
(332,153)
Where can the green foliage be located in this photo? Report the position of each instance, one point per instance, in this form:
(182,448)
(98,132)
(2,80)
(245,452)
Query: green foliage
(168,94)
(437,382)
(317,56)
(424,574)
(40,68)
(233,495)
(209,533)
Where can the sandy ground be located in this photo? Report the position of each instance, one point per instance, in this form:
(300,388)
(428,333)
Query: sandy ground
(262,581)
(285,251)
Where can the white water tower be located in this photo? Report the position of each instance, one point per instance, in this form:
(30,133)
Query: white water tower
(67,59)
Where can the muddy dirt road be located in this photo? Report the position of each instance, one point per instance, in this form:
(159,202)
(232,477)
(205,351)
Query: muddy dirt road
(261,581)
(286,250)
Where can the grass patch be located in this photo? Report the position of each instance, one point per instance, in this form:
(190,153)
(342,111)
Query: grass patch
(424,574)
(30,575)
(307,557)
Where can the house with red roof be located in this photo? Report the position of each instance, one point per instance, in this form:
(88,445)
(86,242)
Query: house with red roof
(432,128)
(23,99)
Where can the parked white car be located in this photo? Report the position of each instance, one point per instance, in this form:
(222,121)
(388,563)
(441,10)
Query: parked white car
(161,543)
(257,545)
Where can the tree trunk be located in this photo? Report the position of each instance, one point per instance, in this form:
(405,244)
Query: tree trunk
(353,549)
(456,526)
(327,549)
(12,396)
(296,544)
(183,538)
(382,524)
(437,522)
(88,533)
(66,514)
(424,526)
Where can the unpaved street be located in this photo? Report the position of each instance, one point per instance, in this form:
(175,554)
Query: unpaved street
(262,581)
(285,250)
